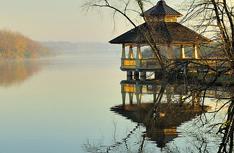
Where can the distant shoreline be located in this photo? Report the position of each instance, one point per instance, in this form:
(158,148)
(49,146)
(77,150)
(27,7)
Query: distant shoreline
(14,45)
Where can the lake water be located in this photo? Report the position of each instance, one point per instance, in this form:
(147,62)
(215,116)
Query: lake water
(62,104)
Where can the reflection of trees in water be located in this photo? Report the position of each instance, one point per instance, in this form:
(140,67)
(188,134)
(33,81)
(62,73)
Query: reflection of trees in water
(15,72)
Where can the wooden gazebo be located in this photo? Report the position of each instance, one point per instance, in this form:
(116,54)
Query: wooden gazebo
(170,35)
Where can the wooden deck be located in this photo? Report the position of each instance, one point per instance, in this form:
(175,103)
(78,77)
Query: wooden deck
(140,64)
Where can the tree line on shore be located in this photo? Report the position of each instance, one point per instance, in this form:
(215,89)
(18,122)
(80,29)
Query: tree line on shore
(14,45)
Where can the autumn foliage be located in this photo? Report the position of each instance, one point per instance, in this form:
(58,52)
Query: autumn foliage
(14,45)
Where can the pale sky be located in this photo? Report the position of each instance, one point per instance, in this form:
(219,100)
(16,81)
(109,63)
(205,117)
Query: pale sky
(60,20)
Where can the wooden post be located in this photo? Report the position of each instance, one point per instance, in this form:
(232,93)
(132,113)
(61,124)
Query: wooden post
(139,53)
(130,55)
(138,56)
(196,52)
(182,52)
(123,51)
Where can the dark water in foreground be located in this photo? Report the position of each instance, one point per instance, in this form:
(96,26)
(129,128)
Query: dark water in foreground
(62,104)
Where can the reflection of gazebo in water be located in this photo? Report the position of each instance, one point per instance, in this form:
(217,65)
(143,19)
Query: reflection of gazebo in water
(138,88)
(163,128)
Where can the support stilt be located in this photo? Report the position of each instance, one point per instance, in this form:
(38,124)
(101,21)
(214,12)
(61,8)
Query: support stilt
(143,76)
(136,75)
(131,98)
(129,75)
(123,99)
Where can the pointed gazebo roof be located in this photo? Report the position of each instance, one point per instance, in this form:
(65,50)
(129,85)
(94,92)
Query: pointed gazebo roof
(162,21)
(162,9)
(164,32)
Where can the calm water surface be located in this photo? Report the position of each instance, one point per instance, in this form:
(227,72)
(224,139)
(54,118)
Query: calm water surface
(59,104)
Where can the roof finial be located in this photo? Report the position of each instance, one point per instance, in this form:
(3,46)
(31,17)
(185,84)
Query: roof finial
(162,1)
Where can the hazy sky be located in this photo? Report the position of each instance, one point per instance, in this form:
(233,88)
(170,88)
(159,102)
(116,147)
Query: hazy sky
(59,20)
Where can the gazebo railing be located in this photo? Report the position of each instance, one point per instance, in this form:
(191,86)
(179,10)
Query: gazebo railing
(152,63)
(149,63)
